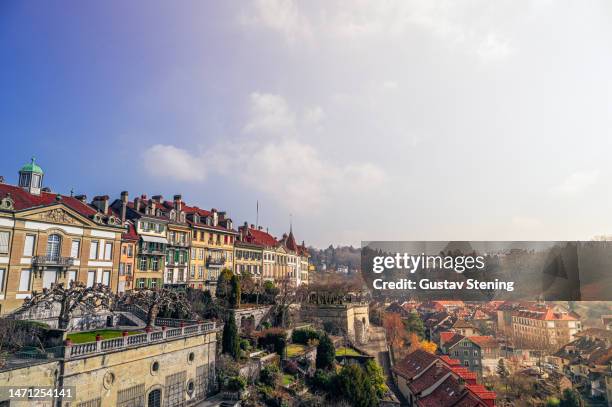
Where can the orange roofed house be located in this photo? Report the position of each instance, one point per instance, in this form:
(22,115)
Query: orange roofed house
(427,380)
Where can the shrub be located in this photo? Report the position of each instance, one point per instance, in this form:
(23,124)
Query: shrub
(269,375)
(275,338)
(326,353)
(303,336)
(236,383)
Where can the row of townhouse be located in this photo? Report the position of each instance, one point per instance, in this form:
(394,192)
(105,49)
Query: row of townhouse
(126,244)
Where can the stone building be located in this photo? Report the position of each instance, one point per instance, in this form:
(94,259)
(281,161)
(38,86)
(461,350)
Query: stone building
(544,326)
(127,262)
(212,243)
(48,238)
(282,259)
(170,367)
(248,258)
(151,226)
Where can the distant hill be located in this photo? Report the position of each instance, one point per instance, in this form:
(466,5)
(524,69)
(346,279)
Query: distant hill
(334,257)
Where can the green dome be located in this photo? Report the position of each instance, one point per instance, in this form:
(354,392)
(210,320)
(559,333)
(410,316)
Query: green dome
(32,167)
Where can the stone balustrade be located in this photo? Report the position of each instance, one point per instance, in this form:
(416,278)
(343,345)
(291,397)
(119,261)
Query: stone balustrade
(91,348)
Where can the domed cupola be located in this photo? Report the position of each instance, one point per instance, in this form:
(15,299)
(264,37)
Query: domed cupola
(31,177)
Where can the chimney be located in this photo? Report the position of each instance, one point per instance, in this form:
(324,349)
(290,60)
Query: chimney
(152,205)
(82,198)
(101,202)
(260,228)
(1,179)
(252,226)
(178,202)
(137,204)
(124,201)
(158,198)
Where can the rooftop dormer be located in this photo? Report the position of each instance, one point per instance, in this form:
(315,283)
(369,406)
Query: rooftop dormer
(30,177)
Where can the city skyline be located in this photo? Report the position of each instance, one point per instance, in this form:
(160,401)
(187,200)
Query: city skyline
(374,122)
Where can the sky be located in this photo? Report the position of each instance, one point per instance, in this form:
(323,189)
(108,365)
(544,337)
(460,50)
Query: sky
(355,121)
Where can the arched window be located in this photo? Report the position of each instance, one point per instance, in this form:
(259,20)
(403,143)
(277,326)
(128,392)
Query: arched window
(154,398)
(54,242)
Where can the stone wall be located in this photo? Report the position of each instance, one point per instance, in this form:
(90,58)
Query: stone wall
(136,372)
(351,319)
(252,315)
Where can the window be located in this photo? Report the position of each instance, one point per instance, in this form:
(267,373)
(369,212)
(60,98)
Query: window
(128,269)
(28,248)
(192,271)
(140,283)
(130,250)
(72,276)
(466,363)
(24,280)
(108,251)
(201,254)
(143,263)
(106,278)
(155,264)
(54,243)
(75,248)
(93,250)
(49,278)
(121,269)
(2,273)
(4,242)
(193,254)
(91,278)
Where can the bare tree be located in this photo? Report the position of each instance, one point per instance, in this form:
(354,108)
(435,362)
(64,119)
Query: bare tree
(75,297)
(153,301)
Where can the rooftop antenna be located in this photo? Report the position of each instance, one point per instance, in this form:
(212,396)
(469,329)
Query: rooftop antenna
(290,223)
(71,192)
(257,216)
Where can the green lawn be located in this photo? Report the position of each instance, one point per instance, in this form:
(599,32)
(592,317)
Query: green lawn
(295,349)
(82,337)
(343,351)
(288,379)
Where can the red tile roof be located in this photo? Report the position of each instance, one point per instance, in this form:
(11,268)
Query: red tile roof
(25,200)
(414,363)
(446,336)
(431,376)
(484,341)
(261,237)
(131,232)
(446,394)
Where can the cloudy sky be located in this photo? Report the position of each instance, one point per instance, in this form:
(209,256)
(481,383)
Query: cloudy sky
(361,120)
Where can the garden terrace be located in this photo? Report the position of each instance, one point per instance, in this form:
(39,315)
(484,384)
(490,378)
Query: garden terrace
(90,336)
(138,339)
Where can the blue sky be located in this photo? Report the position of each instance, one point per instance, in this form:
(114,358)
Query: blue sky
(379,120)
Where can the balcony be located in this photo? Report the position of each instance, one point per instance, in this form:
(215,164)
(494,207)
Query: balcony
(52,261)
(215,261)
(177,242)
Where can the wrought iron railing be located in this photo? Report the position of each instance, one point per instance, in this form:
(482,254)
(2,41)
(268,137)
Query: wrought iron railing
(52,261)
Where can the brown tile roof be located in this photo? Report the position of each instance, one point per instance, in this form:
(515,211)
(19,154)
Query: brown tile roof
(431,376)
(414,363)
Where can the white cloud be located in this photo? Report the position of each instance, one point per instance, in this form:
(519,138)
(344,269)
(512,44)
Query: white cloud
(289,171)
(577,182)
(269,114)
(282,16)
(313,115)
(476,30)
(167,161)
